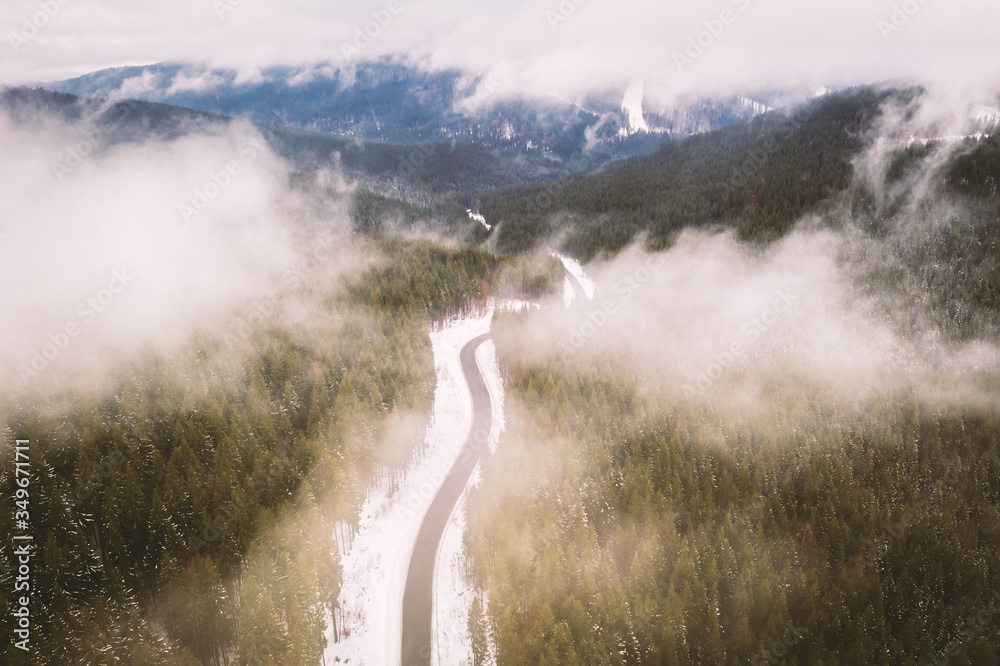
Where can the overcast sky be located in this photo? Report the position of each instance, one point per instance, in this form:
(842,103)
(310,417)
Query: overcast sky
(532,46)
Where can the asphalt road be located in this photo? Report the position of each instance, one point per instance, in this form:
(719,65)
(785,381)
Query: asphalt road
(418,596)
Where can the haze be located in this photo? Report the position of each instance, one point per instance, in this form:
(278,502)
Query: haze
(539,47)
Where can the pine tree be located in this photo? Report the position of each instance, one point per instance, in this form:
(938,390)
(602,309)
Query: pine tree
(478,633)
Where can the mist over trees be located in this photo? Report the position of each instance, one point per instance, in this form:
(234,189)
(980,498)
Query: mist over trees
(831,496)
(788,511)
(186,510)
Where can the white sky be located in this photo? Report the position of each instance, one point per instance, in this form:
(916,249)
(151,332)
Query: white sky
(524,44)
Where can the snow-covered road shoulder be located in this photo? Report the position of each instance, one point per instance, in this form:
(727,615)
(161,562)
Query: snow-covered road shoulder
(452,592)
(574,268)
(376,564)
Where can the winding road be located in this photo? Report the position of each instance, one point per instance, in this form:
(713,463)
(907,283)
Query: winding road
(418,596)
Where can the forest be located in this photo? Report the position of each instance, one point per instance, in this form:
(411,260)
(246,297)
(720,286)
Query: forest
(190,507)
(757,177)
(622,521)
(619,525)
(185,510)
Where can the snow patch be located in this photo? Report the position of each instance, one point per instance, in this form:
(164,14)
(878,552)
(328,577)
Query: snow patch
(632,106)
(569,293)
(514,305)
(489,366)
(479,218)
(452,595)
(923,141)
(986,114)
(507,132)
(757,108)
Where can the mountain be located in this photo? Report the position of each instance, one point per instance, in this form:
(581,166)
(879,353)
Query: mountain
(693,473)
(757,177)
(402,169)
(385,101)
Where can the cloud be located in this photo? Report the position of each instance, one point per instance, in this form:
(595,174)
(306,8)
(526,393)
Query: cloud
(136,86)
(568,47)
(727,325)
(184,83)
(111,246)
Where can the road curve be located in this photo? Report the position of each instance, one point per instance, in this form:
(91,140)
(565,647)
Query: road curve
(418,596)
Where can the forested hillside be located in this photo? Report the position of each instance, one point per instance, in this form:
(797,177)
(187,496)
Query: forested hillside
(184,512)
(618,526)
(925,241)
(831,497)
(387,100)
(434,167)
(787,510)
(757,177)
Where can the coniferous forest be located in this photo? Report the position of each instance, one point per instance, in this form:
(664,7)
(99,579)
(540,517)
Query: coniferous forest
(769,435)
(187,509)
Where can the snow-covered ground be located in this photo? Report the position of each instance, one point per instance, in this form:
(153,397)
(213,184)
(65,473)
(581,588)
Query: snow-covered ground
(632,106)
(377,562)
(480,219)
(489,365)
(951,138)
(573,266)
(758,108)
(452,594)
(986,114)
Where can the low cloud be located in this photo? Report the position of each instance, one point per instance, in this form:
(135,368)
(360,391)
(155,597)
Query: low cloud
(539,47)
(110,246)
(714,321)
